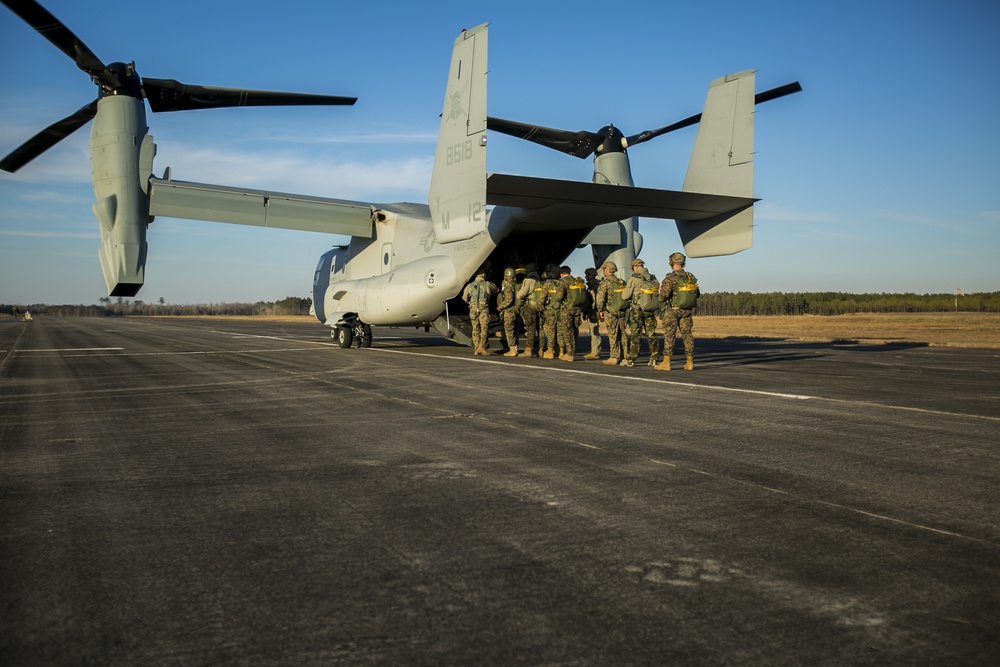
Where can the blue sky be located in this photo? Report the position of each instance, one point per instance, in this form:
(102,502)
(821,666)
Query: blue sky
(882,176)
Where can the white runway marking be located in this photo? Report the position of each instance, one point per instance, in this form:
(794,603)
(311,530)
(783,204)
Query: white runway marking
(847,508)
(692,385)
(73,349)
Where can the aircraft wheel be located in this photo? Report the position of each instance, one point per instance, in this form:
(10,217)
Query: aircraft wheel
(366,339)
(345,337)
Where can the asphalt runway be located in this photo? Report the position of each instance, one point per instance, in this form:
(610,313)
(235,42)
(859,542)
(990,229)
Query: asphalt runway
(213,492)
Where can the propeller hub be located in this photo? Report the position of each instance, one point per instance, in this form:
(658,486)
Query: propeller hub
(128,81)
(612,140)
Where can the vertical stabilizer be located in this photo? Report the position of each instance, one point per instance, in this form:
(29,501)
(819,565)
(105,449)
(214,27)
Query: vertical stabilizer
(457,196)
(722,163)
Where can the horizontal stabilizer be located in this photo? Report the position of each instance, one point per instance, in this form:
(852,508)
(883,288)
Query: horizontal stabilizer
(574,204)
(726,234)
(258,208)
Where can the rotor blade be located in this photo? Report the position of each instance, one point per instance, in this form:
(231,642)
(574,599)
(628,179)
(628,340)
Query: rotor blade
(170,95)
(580,144)
(49,27)
(759,98)
(48,138)
(646,135)
(775,93)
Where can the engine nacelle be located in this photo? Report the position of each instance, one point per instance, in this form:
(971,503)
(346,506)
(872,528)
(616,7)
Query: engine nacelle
(121,160)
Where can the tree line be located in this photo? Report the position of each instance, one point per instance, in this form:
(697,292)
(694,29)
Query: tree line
(842,303)
(712,303)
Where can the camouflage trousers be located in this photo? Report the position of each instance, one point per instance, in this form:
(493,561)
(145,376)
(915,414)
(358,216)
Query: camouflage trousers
(480,318)
(673,319)
(641,322)
(550,322)
(509,318)
(595,334)
(567,329)
(530,318)
(615,324)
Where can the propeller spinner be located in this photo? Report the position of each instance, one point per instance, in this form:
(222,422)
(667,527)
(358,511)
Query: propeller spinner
(122,79)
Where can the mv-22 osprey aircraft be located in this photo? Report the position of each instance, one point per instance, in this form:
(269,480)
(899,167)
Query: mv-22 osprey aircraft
(406,264)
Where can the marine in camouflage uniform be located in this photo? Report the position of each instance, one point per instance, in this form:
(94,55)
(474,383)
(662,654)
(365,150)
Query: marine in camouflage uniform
(639,321)
(529,315)
(550,317)
(506,306)
(593,284)
(567,328)
(477,294)
(676,318)
(613,318)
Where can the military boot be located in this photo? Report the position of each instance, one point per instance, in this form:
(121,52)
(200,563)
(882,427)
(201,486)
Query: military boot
(512,352)
(663,365)
(591,355)
(689,365)
(549,354)
(527,354)
(610,362)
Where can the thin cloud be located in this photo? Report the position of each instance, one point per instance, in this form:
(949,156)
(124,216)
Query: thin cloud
(47,235)
(773,213)
(375,138)
(950,224)
(382,180)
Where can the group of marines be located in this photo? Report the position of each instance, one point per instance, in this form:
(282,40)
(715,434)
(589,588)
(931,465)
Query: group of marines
(550,308)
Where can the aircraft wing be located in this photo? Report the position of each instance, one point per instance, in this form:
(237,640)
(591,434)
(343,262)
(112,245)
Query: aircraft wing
(258,208)
(572,204)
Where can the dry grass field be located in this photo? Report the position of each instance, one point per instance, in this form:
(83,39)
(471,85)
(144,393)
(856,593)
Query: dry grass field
(981,330)
(945,329)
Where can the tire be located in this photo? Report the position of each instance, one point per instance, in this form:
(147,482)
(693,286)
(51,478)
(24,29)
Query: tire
(345,337)
(366,339)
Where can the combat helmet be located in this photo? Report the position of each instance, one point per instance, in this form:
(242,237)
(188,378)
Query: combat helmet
(610,266)
(636,262)
(677,258)
(508,272)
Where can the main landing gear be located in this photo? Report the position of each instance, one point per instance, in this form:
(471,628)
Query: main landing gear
(352,332)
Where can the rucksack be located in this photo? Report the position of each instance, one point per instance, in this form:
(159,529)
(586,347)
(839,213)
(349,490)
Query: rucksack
(686,294)
(649,296)
(576,292)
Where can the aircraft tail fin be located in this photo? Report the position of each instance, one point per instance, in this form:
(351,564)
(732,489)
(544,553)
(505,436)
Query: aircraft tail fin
(457,195)
(722,163)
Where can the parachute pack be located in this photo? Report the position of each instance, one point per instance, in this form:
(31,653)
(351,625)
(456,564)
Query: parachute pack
(615,303)
(538,297)
(576,292)
(649,296)
(686,294)
(478,293)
